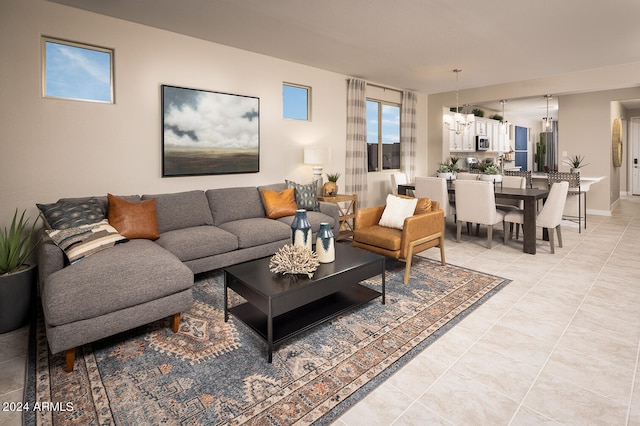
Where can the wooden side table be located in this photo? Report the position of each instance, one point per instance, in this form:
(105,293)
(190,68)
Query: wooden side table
(347,206)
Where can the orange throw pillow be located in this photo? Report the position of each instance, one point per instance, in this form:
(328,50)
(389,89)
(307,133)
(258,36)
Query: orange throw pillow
(423,206)
(279,204)
(133,220)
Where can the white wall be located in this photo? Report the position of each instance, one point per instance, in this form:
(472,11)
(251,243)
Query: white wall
(55,148)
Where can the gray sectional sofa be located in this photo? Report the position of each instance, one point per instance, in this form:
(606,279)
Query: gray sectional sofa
(142,281)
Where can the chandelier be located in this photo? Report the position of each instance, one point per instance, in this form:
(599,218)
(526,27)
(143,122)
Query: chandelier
(458,123)
(547,122)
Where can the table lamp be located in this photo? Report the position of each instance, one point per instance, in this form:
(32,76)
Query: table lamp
(317,156)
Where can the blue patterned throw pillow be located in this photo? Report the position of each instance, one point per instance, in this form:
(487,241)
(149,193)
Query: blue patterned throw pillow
(306,195)
(70,214)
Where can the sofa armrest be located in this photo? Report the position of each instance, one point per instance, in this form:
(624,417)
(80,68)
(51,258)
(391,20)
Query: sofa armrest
(368,217)
(331,209)
(50,258)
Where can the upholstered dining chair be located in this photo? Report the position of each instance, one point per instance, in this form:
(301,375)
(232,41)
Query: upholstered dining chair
(398,178)
(525,174)
(574,190)
(506,204)
(550,215)
(436,189)
(400,235)
(475,203)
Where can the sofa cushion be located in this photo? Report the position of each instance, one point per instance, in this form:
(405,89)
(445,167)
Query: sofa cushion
(72,213)
(256,231)
(133,220)
(82,241)
(279,204)
(197,242)
(109,281)
(181,210)
(306,195)
(229,204)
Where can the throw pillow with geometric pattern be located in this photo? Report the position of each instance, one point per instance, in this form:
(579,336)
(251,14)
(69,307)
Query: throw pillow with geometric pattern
(70,214)
(306,195)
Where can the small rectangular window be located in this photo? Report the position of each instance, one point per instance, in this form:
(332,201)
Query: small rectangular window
(76,71)
(296,101)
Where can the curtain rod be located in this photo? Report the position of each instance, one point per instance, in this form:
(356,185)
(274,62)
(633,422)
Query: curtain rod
(383,87)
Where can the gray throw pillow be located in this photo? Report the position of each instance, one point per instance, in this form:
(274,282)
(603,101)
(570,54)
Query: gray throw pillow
(306,195)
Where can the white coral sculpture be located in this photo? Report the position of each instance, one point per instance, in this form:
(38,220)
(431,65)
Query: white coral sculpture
(294,260)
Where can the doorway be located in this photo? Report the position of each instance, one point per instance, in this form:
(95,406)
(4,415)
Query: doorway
(634,134)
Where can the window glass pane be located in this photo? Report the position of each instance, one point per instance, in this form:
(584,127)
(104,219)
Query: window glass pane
(295,102)
(75,71)
(373,135)
(390,137)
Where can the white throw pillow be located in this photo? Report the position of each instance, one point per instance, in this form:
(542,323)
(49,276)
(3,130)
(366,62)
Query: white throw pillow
(396,211)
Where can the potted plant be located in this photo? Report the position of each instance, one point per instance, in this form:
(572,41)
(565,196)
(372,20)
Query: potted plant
(331,188)
(491,173)
(541,151)
(453,164)
(17,275)
(575,163)
(444,171)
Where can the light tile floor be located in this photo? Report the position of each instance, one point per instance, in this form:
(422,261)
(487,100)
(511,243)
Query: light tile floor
(558,345)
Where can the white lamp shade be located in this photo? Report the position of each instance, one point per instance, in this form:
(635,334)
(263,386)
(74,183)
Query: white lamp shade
(316,154)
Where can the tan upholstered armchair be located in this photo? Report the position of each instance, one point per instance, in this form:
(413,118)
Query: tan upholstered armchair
(419,232)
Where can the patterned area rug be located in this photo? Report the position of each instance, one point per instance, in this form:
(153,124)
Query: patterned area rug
(213,373)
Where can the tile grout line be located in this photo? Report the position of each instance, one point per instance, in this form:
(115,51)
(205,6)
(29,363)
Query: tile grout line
(521,404)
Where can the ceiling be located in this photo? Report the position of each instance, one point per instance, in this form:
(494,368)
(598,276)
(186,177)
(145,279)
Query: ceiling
(408,44)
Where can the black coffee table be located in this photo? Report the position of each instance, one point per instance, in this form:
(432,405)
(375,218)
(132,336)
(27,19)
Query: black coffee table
(279,307)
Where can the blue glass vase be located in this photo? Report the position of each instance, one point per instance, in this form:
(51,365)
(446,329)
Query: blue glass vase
(325,246)
(301,230)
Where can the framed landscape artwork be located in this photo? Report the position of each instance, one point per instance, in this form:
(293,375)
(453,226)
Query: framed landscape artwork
(208,133)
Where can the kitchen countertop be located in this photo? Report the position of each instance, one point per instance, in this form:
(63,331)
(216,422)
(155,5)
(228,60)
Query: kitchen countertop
(585,181)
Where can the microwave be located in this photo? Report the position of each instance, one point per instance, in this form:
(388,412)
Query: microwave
(482,143)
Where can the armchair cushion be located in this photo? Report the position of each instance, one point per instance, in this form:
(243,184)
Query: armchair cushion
(397,210)
(380,236)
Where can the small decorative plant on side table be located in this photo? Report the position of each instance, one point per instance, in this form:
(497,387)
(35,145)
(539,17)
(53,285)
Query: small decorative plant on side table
(331,188)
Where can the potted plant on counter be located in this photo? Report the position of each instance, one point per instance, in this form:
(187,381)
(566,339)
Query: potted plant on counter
(491,173)
(575,163)
(17,275)
(444,171)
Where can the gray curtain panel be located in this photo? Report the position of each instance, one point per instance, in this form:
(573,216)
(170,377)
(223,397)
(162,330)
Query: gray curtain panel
(356,155)
(408,134)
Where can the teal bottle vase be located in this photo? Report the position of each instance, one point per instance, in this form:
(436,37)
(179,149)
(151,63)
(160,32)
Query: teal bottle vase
(301,230)
(325,244)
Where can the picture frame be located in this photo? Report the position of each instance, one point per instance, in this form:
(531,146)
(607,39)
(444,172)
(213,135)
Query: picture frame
(209,133)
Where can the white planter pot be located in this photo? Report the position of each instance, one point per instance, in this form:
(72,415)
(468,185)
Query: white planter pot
(491,178)
(447,175)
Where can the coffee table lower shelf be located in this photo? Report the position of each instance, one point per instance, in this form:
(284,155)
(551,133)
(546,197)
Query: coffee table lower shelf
(299,320)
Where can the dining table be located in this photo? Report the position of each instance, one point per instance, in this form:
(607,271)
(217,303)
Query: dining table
(529,196)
